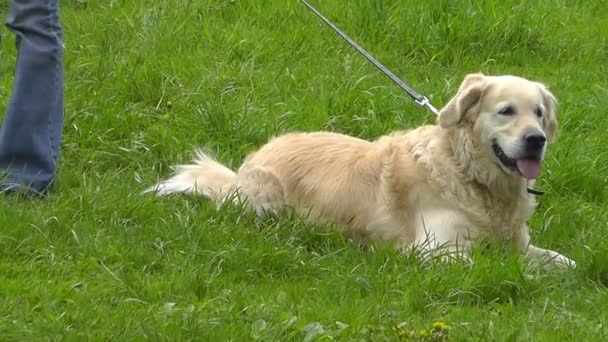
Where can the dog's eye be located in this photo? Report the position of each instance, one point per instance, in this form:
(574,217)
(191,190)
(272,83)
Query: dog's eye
(508,110)
(538,111)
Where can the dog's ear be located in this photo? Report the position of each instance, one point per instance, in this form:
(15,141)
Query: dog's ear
(549,119)
(468,94)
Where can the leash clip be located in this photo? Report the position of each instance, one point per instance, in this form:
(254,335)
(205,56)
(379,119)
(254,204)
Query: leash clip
(424,102)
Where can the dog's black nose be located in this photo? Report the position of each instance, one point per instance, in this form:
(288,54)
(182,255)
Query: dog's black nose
(535,140)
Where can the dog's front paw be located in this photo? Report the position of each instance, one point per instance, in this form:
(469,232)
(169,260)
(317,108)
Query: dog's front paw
(561,261)
(550,260)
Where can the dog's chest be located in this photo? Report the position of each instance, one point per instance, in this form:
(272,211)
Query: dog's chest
(473,217)
(507,216)
(445,219)
(500,216)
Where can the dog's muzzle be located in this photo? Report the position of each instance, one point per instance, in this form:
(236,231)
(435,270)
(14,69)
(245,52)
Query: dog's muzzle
(528,164)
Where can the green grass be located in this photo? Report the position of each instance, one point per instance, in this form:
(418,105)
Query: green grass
(147,82)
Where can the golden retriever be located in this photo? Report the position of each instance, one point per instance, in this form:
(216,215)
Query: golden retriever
(435,188)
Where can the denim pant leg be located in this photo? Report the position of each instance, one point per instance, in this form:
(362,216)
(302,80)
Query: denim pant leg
(30,136)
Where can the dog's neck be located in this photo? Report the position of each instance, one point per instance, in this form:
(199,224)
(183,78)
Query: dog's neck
(477,166)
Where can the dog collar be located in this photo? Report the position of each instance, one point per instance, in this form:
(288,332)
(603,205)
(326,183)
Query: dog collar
(535,192)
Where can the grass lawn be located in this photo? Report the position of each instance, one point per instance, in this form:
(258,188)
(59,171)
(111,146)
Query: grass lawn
(146,82)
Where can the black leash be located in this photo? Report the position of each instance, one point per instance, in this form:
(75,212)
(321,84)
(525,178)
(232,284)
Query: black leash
(418,98)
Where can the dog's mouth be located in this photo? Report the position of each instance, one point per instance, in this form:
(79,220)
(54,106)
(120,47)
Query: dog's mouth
(527,168)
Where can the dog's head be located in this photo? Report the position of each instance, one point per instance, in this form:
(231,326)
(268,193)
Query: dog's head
(511,118)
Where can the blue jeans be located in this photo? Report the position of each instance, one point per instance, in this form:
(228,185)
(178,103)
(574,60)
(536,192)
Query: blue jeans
(30,136)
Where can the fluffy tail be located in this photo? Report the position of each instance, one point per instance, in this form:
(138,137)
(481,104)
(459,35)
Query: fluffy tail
(204,176)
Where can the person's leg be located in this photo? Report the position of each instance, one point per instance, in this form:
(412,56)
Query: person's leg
(30,137)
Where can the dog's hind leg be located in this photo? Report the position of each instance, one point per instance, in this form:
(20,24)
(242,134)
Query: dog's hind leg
(260,190)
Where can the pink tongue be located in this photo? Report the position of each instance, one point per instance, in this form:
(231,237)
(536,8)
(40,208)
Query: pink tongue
(529,168)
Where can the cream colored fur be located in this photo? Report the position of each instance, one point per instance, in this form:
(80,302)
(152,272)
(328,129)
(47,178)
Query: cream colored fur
(437,187)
